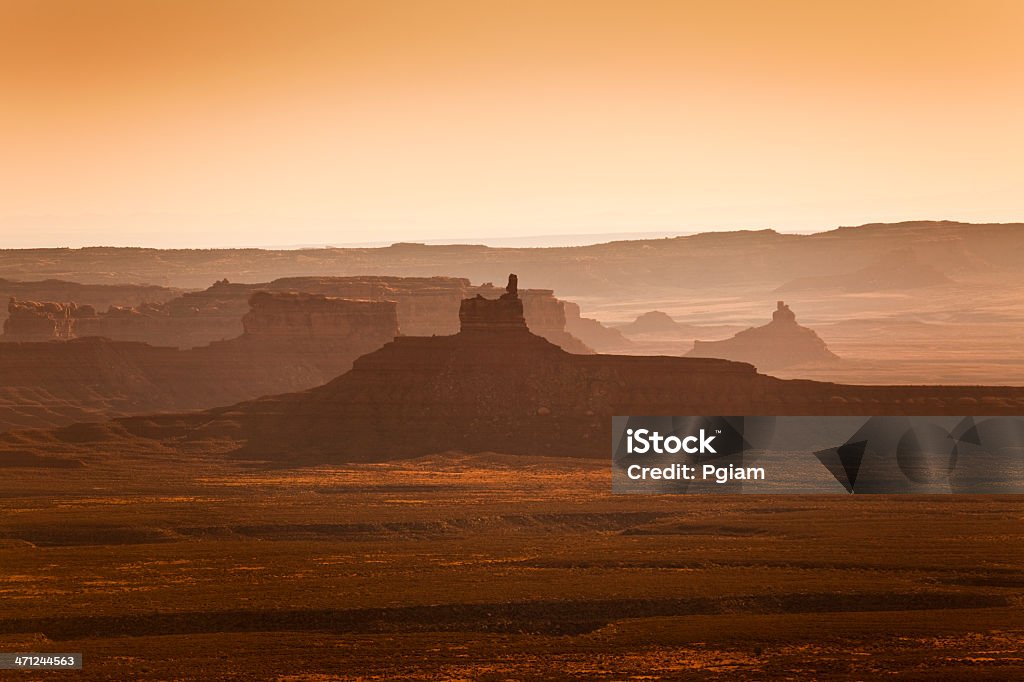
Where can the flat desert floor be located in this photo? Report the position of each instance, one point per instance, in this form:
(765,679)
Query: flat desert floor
(490,567)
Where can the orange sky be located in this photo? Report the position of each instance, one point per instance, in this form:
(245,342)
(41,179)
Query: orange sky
(205,122)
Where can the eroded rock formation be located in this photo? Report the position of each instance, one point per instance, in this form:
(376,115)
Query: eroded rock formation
(96,296)
(496,386)
(502,314)
(426,306)
(592,332)
(186,321)
(780,343)
(291,317)
(42,321)
(291,342)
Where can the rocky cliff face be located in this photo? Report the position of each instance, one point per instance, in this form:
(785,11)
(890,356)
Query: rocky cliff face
(426,306)
(42,321)
(544,315)
(291,342)
(592,332)
(429,306)
(780,343)
(495,386)
(185,321)
(295,317)
(53,321)
(502,314)
(322,334)
(93,296)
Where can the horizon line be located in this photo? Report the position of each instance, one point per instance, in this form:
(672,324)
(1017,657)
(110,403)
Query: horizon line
(563,240)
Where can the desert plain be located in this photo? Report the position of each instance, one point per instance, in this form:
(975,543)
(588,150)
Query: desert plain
(493,567)
(410,512)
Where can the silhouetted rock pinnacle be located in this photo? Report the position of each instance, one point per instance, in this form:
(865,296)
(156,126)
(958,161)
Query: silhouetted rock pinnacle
(479,314)
(780,343)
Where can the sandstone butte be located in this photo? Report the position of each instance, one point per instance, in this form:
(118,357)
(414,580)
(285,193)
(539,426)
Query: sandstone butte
(778,344)
(495,386)
(425,306)
(289,342)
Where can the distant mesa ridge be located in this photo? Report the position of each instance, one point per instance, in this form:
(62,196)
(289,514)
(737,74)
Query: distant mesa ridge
(653,322)
(495,386)
(845,257)
(899,270)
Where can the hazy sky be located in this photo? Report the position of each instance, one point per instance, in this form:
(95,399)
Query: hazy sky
(206,122)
